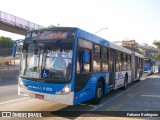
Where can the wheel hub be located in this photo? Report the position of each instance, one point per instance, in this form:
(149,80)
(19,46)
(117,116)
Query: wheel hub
(99,92)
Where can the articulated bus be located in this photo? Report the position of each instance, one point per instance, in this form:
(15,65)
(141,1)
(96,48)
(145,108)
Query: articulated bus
(68,65)
(149,65)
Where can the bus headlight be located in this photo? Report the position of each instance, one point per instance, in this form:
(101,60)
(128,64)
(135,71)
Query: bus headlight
(149,72)
(65,90)
(21,84)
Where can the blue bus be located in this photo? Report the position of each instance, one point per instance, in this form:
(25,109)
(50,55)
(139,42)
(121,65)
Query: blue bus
(149,65)
(69,65)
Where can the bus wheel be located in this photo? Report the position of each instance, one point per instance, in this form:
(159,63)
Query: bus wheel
(99,93)
(125,83)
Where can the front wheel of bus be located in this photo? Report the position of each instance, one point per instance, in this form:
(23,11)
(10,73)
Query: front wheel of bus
(99,93)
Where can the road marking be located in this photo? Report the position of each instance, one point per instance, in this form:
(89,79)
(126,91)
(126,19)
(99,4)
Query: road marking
(15,100)
(143,78)
(150,95)
(114,97)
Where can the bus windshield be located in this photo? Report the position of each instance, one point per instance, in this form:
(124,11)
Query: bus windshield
(47,61)
(147,63)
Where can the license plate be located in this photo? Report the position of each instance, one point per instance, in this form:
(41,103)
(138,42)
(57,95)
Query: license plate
(39,96)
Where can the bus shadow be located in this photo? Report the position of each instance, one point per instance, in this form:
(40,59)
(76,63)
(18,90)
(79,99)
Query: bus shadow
(88,109)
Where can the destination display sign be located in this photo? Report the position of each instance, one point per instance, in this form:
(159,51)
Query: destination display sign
(41,35)
(146,58)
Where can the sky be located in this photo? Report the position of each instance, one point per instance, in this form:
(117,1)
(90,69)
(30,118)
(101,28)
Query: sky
(125,19)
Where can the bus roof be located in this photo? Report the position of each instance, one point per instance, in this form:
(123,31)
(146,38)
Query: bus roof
(139,55)
(120,48)
(89,36)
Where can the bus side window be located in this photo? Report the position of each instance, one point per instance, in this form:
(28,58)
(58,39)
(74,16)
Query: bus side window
(118,62)
(128,62)
(105,59)
(97,59)
(124,60)
(83,61)
(79,61)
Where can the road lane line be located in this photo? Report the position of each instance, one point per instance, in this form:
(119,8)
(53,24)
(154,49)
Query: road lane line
(14,100)
(150,95)
(115,97)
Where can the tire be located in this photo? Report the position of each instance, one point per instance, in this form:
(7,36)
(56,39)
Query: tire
(125,83)
(98,93)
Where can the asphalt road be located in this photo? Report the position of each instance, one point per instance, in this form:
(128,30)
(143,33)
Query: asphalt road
(8,90)
(141,96)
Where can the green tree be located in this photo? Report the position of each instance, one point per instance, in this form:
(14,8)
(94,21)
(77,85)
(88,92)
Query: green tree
(157,56)
(5,42)
(157,43)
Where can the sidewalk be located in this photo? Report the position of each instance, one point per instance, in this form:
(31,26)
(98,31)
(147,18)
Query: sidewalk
(9,71)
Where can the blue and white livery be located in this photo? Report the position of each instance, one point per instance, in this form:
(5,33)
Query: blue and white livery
(69,65)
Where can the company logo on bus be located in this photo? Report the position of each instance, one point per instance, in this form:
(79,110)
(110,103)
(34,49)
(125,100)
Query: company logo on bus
(120,75)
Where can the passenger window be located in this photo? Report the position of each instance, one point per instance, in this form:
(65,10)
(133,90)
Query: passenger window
(105,60)
(128,62)
(83,61)
(124,64)
(97,59)
(118,61)
(96,51)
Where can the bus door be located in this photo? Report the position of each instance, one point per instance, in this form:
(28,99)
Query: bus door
(111,68)
(136,66)
(83,65)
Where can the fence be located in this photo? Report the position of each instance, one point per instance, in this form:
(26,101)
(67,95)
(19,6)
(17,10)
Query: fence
(5,52)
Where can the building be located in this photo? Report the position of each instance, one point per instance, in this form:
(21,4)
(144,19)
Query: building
(129,43)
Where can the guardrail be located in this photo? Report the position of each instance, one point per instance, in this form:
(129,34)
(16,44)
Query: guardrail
(19,22)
